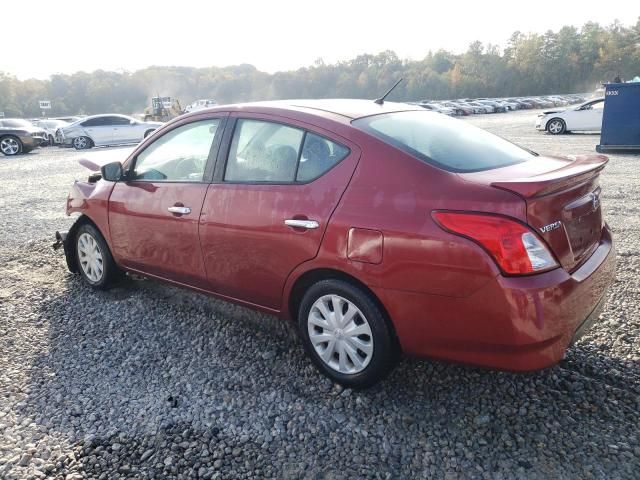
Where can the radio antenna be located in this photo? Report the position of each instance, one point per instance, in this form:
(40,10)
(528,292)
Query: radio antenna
(380,100)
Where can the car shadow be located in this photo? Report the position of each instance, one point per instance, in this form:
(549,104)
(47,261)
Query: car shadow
(144,359)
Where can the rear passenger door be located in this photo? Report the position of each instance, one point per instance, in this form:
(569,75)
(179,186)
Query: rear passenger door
(276,185)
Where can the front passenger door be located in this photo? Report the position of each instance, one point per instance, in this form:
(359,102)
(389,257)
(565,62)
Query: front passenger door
(154,212)
(123,130)
(99,130)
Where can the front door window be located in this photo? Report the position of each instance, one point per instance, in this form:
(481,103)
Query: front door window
(178,156)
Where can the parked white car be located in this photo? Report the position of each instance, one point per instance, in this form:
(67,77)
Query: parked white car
(50,126)
(200,105)
(102,130)
(586,117)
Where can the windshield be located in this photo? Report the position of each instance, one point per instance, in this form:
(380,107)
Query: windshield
(589,104)
(15,123)
(450,144)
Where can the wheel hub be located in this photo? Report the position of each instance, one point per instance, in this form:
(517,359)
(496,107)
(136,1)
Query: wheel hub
(90,257)
(9,146)
(340,334)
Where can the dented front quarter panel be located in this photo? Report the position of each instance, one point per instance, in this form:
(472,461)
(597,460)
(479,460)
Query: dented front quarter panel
(92,200)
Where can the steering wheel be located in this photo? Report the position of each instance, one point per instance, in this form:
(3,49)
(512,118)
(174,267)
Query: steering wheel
(186,167)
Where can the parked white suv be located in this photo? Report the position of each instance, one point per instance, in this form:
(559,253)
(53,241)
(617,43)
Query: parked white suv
(102,130)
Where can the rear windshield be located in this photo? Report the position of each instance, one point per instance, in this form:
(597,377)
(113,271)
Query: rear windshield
(453,145)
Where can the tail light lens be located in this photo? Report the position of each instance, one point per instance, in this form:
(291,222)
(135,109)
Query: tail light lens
(515,247)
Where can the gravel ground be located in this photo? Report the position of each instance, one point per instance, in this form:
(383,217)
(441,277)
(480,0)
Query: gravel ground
(146,381)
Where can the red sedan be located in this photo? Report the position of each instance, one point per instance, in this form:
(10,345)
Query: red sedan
(377,228)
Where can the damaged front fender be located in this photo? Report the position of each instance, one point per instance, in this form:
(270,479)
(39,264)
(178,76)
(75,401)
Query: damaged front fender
(91,200)
(62,240)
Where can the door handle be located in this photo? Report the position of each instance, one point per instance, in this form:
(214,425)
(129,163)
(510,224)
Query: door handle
(306,224)
(180,210)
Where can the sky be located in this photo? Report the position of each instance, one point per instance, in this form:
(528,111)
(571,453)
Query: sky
(273,35)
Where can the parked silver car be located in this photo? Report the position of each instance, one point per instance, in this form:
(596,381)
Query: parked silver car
(102,130)
(50,126)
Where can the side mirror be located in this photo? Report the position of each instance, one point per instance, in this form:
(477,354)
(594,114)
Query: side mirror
(111,172)
(132,122)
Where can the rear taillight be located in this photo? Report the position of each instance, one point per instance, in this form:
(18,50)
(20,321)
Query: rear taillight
(515,247)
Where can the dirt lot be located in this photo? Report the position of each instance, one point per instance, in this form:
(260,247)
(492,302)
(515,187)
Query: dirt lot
(146,381)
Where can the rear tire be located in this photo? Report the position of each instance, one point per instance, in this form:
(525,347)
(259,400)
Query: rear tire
(556,126)
(93,257)
(147,133)
(345,333)
(82,143)
(11,145)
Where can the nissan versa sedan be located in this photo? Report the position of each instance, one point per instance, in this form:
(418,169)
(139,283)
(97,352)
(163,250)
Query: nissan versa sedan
(377,228)
(104,130)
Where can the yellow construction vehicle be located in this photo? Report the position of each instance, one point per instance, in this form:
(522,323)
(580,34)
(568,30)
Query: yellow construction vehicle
(163,109)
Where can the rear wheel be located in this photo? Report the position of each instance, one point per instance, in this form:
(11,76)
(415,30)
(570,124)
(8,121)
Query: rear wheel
(345,333)
(148,132)
(95,262)
(556,126)
(10,145)
(82,143)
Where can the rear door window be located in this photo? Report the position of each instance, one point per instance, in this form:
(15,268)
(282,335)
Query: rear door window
(318,156)
(263,152)
(270,152)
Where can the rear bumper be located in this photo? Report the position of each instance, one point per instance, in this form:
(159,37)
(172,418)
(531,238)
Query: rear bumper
(513,323)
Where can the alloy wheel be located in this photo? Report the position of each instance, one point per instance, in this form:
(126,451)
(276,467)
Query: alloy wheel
(555,127)
(340,334)
(90,257)
(9,146)
(80,143)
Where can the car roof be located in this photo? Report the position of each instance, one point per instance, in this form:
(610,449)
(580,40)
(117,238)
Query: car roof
(348,109)
(104,115)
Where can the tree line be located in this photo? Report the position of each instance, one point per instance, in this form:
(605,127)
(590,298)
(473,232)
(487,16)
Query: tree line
(565,61)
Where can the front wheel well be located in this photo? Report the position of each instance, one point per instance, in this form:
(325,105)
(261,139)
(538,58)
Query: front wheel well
(70,244)
(311,277)
(546,126)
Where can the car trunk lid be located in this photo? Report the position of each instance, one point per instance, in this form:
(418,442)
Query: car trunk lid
(562,196)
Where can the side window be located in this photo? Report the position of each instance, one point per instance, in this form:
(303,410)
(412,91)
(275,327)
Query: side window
(180,155)
(263,152)
(119,121)
(318,156)
(598,105)
(94,122)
